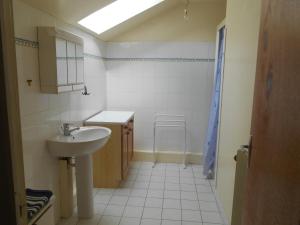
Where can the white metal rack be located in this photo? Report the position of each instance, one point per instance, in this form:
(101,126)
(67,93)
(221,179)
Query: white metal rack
(169,120)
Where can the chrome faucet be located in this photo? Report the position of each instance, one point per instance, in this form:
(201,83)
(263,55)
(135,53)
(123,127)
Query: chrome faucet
(66,129)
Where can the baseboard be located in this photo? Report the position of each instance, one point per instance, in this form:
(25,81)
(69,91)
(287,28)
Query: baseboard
(167,157)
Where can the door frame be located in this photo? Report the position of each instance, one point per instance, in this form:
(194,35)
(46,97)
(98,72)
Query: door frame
(12,175)
(219,27)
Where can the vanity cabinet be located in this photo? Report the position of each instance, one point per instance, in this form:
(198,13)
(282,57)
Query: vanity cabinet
(60,61)
(111,163)
(127,147)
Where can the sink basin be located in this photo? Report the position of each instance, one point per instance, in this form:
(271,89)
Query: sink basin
(81,144)
(84,141)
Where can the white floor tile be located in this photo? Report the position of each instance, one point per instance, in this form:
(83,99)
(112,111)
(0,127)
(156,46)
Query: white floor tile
(133,211)
(191,223)
(157,186)
(171,214)
(212,224)
(211,217)
(155,194)
(141,184)
(102,199)
(199,175)
(186,174)
(170,222)
(157,179)
(172,173)
(113,210)
(141,178)
(159,173)
(186,180)
(154,202)
(139,192)
(191,215)
(109,220)
(95,191)
(150,222)
(172,203)
(208,206)
(152,213)
(165,195)
(201,181)
(99,208)
(145,173)
(122,191)
(187,204)
(172,194)
(203,188)
(208,197)
(172,180)
(105,191)
(172,186)
(118,200)
(186,195)
(136,201)
(187,187)
(130,221)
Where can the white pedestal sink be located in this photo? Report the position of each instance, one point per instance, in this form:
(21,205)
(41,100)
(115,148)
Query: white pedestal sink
(81,145)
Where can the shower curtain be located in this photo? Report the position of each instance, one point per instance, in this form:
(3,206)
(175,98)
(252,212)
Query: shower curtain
(210,146)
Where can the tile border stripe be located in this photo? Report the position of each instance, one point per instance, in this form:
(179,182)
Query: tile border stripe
(35,44)
(26,43)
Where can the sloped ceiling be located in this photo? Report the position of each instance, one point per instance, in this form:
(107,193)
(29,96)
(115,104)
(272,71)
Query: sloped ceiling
(71,11)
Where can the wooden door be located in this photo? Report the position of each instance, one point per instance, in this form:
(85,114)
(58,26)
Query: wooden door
(273,187)
(124,151)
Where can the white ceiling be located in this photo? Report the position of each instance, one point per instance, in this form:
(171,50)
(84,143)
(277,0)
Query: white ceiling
(71,11)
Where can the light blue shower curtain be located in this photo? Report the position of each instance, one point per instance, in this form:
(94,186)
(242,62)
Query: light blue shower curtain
(212,131)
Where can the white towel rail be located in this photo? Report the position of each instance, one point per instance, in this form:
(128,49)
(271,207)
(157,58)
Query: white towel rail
(169,120)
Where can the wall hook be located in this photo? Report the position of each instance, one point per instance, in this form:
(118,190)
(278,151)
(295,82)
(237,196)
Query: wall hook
(29,82)
(85,92)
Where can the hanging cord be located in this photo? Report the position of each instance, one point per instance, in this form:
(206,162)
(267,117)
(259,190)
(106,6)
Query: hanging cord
(186,12)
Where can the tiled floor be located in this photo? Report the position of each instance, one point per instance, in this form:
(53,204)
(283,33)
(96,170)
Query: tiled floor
(164,195)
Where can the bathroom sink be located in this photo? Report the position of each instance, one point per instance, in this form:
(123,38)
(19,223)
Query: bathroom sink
(84,141)
(81,144)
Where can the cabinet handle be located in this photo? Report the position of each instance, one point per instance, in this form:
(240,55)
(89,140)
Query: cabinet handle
(127,133)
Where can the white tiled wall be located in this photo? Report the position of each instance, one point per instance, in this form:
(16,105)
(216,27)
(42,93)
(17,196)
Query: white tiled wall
(42,114)
(156,86)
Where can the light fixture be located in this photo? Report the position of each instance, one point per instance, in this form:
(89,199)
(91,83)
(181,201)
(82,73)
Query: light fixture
(186,12)
(116,13)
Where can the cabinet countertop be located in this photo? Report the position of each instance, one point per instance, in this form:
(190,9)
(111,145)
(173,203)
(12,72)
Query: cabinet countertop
(110,117)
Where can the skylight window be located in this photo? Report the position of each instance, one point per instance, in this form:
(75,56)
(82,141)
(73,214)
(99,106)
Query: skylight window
(116,13)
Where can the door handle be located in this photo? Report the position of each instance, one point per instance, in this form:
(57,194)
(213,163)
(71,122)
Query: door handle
(246,147)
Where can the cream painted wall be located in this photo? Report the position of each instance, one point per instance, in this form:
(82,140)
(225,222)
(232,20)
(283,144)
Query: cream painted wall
(242,21)
(170,25)
(42,114)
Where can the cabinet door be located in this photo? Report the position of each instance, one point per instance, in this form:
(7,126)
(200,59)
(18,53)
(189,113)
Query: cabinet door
(61,62)
(124,152)
(130,140)
(79,63)
(71,57)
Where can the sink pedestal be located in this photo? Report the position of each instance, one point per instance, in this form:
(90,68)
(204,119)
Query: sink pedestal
(84,185)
